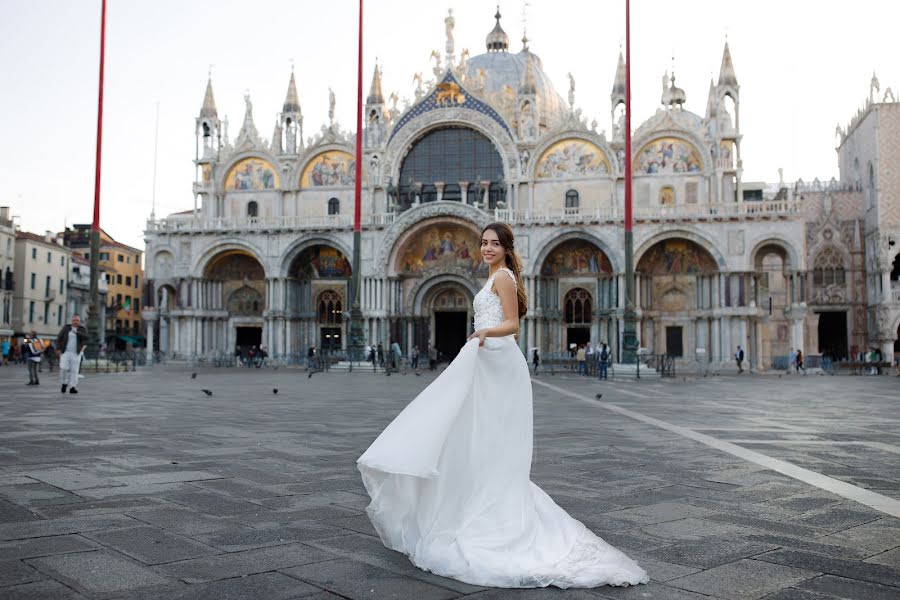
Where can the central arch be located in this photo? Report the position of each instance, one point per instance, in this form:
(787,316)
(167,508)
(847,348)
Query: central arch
(455,159)
(673,277)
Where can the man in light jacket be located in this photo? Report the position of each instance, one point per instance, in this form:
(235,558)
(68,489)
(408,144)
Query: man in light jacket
(70,343)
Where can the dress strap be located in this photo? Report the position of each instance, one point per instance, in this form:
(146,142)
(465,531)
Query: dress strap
(510,273)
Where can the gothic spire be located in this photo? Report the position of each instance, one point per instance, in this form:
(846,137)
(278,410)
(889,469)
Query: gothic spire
(727,76)
(209,102)
(291,101)
(375,95)
(618,90)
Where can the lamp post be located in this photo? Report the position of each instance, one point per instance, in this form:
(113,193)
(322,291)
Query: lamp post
(357,340)
(629,333)
(93,321)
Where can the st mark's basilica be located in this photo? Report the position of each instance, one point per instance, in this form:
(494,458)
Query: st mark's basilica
(264,256)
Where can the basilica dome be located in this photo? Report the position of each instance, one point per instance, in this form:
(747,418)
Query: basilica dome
(498,75)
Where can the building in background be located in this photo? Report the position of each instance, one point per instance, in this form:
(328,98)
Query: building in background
(124,277)
(264,256)
(41,276)
(7,279)
(79,296)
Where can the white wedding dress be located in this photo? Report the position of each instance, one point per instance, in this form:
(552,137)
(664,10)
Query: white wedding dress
(449,479)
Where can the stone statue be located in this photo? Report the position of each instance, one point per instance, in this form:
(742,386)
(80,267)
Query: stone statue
(249,106)
(330,106)
(523,160)
(392,194)
(419,91)
(449,24)
(666,94)
(571,90)
(437,70)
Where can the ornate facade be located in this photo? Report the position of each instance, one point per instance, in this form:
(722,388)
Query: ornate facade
(264,256)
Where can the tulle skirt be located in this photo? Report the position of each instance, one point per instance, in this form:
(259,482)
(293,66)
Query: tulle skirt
(449,483)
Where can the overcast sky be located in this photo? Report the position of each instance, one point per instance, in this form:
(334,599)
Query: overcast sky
(803,66)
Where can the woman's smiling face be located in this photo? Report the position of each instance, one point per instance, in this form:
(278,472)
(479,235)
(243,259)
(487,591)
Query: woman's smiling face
(492,252)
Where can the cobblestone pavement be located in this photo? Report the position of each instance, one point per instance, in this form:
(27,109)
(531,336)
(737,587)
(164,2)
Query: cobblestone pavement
(144,487)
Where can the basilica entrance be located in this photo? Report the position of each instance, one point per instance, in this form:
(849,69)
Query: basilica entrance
(833,334)
(248,336)
(450,333)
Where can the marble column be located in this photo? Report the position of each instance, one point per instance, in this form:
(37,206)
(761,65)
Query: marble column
(149,328)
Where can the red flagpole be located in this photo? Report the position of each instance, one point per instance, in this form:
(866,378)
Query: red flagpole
(357,208)
(93,324)
(628,181)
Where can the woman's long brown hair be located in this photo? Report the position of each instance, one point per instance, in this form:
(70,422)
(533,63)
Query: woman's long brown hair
(513,262)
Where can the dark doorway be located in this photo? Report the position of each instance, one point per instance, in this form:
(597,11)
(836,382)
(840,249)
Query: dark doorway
(833,334)
(674,345)
(249,336)
(449,333)
(577,336)
(330,339)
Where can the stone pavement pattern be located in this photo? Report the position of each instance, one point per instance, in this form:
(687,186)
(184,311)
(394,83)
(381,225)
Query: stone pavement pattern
(142,487)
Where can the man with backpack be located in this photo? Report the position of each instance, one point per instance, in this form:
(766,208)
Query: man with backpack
(604,361)
(739,358)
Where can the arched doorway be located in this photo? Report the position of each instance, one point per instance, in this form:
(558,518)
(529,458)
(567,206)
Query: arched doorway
(773,299)
(578,295)
(450,309)
(330,317)
(240,281)
(577,317)
(673,278)
(452,163)
(317,291)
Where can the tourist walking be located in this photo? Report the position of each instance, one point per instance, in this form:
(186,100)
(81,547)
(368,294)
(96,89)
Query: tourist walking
(739,359)
(535,360)
(432,357)
(397,355)
(380,352)
(449,478)
(34,350)
(799,361)
(414,358)
(604,361)
(70,343)
(580,356)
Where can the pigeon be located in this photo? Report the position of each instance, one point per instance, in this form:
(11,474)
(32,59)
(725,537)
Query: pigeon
(598,396)
(274,390)
(207,392)
(193,376)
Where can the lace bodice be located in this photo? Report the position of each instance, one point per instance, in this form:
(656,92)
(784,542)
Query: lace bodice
(488,309)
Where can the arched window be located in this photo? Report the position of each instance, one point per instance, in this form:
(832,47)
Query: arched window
(572,199)
(252,209)
(330,311)
(245,301)
(334,206)
(451,155)
(577,305)
(895,271)
(829,268)
(452,193)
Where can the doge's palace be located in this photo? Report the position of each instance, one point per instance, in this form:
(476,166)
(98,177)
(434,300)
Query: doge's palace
(264,256)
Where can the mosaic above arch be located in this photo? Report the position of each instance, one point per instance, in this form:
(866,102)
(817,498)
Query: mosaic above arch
(572,158)
(676,257)
(321,262)
(440,245)
(330,169)
(234,265)
(576,257)
(252,174)
(668,155)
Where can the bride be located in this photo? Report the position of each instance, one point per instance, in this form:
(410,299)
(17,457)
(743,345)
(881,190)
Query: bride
(449,477)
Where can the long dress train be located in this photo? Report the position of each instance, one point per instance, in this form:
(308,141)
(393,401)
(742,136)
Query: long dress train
(450,487)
